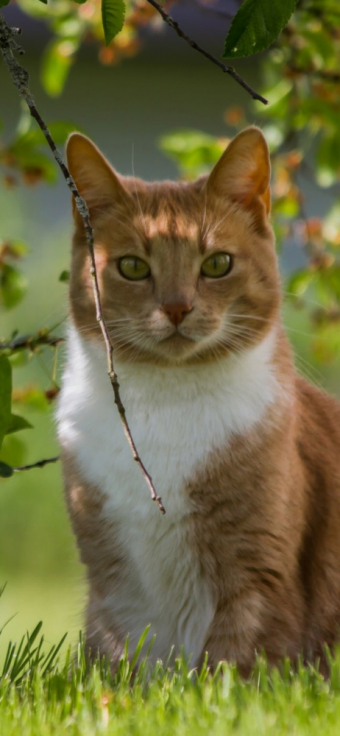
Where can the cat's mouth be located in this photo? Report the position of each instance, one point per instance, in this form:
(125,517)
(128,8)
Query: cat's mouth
(177,335)
(180,346)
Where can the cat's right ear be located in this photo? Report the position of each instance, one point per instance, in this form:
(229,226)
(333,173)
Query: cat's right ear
(243,172)
(95,179)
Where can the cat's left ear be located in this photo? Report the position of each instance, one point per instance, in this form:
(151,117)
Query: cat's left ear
(243,171)
(95,179)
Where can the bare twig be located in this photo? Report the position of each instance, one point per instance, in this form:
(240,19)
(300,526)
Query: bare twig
(226,69)
(20,77)
(39,464)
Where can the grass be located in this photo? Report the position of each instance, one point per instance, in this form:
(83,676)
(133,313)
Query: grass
(42,696)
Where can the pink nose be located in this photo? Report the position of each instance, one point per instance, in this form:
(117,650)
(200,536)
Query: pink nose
(177,311)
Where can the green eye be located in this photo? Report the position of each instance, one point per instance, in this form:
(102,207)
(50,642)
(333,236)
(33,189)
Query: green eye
(216,266)
(133,268)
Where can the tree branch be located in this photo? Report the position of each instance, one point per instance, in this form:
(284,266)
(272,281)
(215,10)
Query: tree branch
(39,464)
(226,69)
(20,78)
(30,342)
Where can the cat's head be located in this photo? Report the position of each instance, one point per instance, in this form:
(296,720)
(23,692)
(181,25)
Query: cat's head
(187,271)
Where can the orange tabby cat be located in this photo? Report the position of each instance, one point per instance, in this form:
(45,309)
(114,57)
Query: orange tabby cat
(244,453)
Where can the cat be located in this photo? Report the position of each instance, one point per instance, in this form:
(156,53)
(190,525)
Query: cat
(243,451)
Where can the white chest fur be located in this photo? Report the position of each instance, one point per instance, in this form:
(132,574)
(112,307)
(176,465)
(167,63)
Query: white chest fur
(177,417)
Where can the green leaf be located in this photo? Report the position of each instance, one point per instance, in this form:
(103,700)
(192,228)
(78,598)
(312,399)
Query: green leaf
(56,64)
(12,286)
(299,282)
(113,15)
(3,3)
(194,152)
(5,470)
(256,25)
(33,164)
(64,276)
(5,396)
(328,160)
(17,423)
(35,137)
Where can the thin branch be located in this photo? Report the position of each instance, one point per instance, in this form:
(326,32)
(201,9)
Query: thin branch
(226,69)
(39,464)
(30,342)
(20,78)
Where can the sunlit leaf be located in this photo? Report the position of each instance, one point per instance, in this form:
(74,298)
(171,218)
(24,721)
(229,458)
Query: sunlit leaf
(113,15)
(299,282)
(56,64)
(5,396)
(31,396)
(14,249)
(256,25)
(328,160)
(331,225)
(35,137)
(13,286)
(278,96)
(35,166)
(286,207)
(194,152)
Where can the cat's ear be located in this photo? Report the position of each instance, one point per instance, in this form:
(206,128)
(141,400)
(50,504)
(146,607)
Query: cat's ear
(95,179)
(243,171)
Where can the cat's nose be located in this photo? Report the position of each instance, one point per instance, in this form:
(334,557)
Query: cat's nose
(177,311)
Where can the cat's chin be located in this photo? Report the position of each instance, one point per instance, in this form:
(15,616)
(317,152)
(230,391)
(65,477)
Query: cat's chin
(178,349)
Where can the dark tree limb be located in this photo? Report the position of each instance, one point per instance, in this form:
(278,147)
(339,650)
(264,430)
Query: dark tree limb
(39,464)
(226,69)
(8,47)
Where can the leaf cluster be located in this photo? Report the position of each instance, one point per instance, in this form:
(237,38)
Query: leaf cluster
(116,25)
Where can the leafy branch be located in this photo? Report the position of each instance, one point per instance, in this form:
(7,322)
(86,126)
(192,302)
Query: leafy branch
(226,69)
(20,77)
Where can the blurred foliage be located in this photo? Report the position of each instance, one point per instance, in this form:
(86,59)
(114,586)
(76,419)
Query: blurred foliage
(301,124)
(194,152)
(116,24)
(73,25)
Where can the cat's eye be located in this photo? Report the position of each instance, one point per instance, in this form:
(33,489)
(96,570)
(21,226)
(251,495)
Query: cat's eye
(133,268)
(216,266)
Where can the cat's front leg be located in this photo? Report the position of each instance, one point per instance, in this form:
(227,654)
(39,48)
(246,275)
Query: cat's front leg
(250,624)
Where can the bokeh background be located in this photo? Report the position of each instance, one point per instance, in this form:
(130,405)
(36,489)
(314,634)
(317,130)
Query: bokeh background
(126,108)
